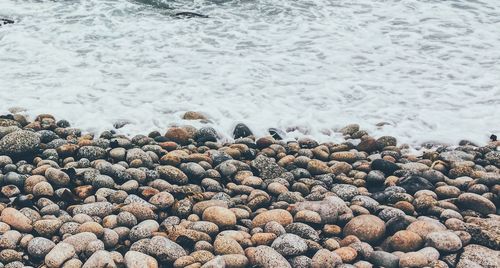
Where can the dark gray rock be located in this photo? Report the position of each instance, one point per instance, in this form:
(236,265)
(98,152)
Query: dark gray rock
(19,143)
(414,183)
(384,259)
(241,130)
(267,167)
(385,166)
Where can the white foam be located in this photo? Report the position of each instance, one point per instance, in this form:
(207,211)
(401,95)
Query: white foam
(429,68)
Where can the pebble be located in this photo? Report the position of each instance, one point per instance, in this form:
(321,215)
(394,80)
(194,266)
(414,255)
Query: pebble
(424,227)
(479,256)
(280,216)
(347,254)
(221,216)
(445,241)
(367,228)
(186,199)
(330,208)
(325,258)
(19,142)
(384,259)
(165,249)
(134,259)
(405,241)
(226,245)
(16,220)
(38,247)
(266,257)
(99,209)
(477,203)
(100,259)
(80,241)
(289,245)
(413,259)
(59,254)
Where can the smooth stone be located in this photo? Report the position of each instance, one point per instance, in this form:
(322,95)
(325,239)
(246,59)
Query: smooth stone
(241,131)
(330,209)
(445,241)
(413,259)
(280,216)
(289,245)
(325,258)
(266,257)
(16,220)
(235,260)
(367,228)
(477,203)
(413,184)
(39,247)
(405,241)
(384,259)
(19,143)
(100,259)
(217,262)
(479,256)
(223,217)
(226,245)
(59,254)
(425,227)
(80,241)
(135,259)
(99,209)
(165,249)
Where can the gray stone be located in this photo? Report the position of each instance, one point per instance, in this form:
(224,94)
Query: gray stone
(165,249)
(289,245)
(19,142)
(38,247)
(267,257)
(478,255)
(384,259)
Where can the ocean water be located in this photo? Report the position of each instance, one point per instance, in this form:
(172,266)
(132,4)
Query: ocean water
(428,69)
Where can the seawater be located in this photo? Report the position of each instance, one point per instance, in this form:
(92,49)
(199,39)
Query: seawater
(428,69)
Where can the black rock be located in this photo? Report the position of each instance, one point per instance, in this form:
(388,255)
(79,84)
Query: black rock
(205,134)
(241,130)
(7,116)
(414,183)
(47,136)
(6,21)
(398,223)
(493,137)
(219,157)
(22,201)
(63,123)
(385,166)
(160,139)
(249,154)
(277,133)
(381,197)
(188,14)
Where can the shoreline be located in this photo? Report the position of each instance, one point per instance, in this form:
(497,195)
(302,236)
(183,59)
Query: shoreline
(225,132)
(184,199)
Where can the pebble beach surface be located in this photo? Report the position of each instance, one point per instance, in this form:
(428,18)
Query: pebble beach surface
(184,198)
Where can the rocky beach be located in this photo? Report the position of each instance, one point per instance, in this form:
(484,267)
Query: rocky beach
(184,198)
